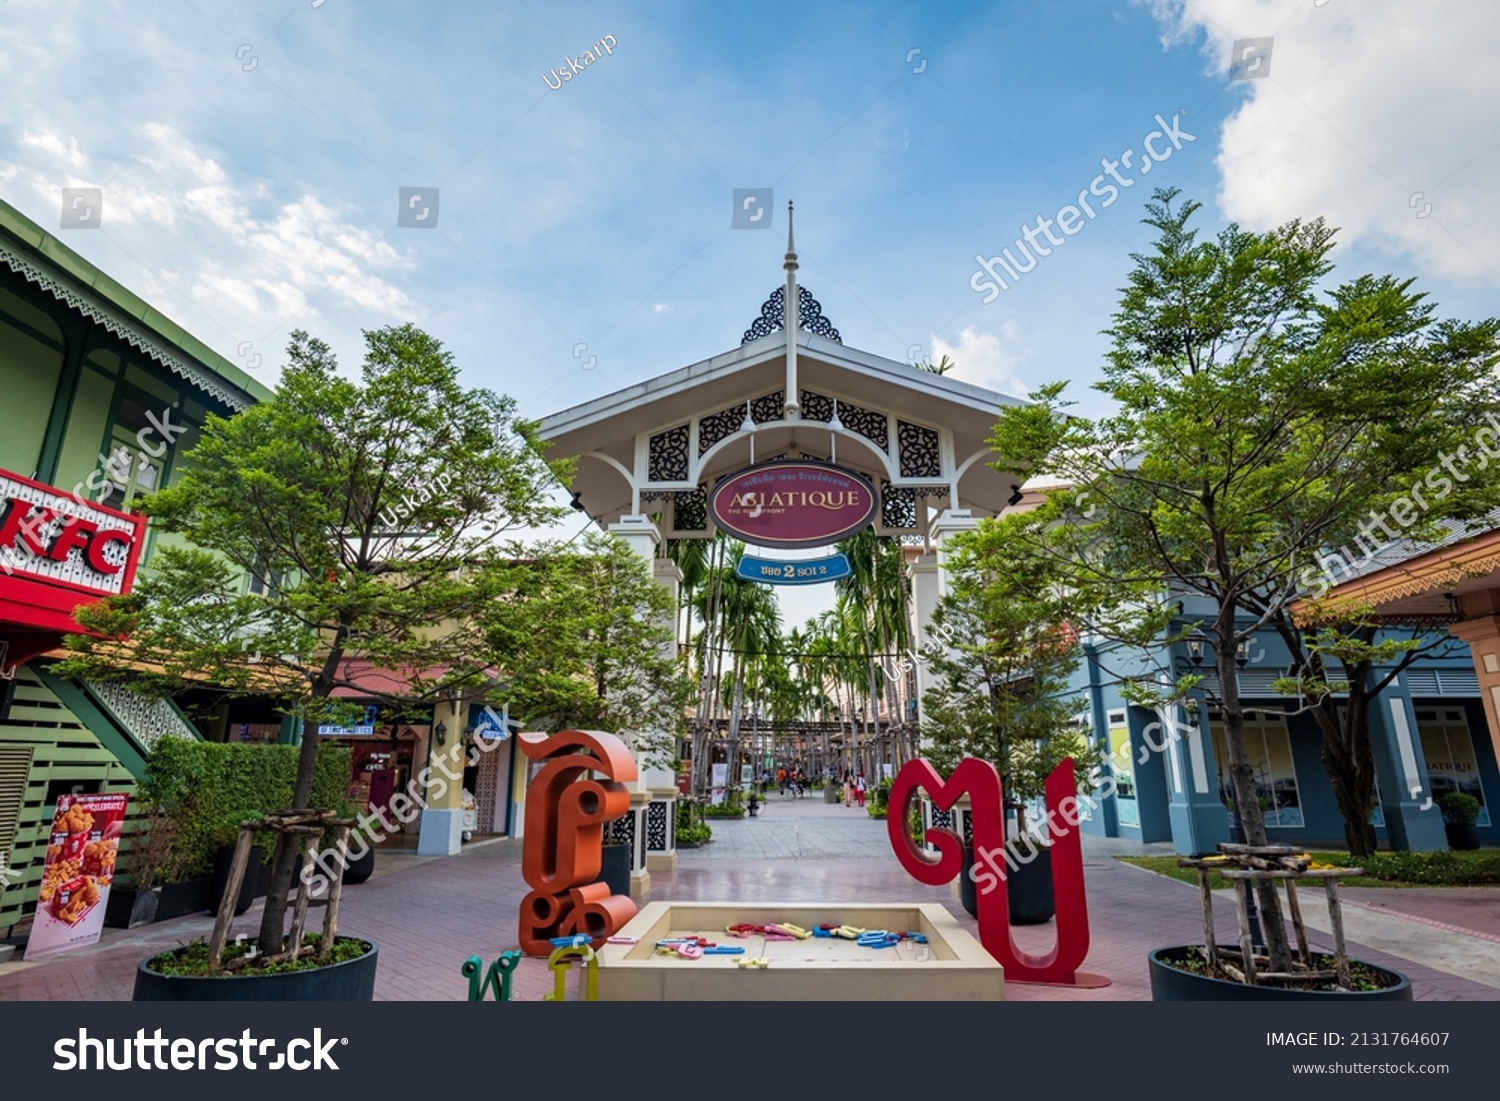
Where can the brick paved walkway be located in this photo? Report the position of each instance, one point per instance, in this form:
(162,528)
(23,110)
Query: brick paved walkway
(429,915)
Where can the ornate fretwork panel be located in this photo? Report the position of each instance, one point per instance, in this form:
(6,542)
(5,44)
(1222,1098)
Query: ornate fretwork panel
(919,451)
(719,426)
(898,507)
(772,407)
(690,511)
(726,422)
(810,317)
(656,826)
(668,456)
(868,423)
(816,407)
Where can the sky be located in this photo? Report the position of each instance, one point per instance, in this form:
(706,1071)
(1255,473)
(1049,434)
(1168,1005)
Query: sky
(252,159)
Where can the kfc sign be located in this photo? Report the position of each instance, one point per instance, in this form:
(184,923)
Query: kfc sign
(59,540)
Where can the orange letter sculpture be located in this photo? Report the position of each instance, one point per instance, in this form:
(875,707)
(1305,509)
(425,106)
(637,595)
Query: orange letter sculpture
(564,847)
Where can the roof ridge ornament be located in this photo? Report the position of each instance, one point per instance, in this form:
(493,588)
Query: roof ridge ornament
(774,314)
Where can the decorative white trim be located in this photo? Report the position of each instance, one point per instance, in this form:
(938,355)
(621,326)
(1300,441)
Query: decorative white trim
(102,315)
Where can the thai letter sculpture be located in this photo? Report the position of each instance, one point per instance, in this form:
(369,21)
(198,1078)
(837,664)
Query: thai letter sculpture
(979,780)
(567,805)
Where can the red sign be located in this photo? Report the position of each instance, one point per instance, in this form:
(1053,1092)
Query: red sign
(57,550)
(76,877)
(803,504)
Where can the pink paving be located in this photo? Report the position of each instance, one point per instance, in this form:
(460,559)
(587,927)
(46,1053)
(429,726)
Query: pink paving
(429,915)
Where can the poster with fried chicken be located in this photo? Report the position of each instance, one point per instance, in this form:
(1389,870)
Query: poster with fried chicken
(77,875)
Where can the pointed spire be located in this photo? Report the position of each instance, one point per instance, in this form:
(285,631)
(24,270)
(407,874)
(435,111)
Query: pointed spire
(791,245)
(789,321)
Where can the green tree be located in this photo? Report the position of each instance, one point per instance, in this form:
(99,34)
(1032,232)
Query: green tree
(1257,423)
(369,510)
(588,646)
(1001,672)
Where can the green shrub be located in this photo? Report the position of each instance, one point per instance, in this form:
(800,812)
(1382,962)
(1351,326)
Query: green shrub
(694,835)
(1429,869)
(1459,808)
(724,810)
(208,788)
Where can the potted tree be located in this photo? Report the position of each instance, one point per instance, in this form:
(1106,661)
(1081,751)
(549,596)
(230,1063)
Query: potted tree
(367,513)
(1258,421)
(1460,820)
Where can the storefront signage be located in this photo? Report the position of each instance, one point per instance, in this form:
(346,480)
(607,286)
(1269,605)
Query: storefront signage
(55,538)
(76,877)
(491,725)
(801,504)
(365,728)
(789,572)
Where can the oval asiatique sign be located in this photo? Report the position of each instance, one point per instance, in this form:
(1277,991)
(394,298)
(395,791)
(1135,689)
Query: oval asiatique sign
(799,504)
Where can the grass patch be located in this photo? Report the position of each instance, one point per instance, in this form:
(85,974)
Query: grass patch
(191,960)
(1384,869)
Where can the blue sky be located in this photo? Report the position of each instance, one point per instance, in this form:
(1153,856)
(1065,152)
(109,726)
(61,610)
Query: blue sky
(250,156)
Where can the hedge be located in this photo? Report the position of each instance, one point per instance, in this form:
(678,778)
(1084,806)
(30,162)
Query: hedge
(206,789)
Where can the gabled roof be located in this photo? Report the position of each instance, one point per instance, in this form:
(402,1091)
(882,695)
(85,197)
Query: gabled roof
(37,255)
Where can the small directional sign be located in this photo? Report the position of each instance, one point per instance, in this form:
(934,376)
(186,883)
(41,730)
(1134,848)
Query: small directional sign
(780,571)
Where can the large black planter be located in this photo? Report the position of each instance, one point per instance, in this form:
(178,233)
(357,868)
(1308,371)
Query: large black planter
(350,981)
(1028,889)
(363,868)
(248,886)
(1463,836)
(615,869)
(128,908)
(1168,984)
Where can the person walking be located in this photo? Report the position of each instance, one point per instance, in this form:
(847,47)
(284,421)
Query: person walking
(859,789)
(848,788)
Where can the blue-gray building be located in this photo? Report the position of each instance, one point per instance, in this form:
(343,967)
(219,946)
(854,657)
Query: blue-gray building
(1428,731)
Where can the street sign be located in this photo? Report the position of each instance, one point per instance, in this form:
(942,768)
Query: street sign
(811,571)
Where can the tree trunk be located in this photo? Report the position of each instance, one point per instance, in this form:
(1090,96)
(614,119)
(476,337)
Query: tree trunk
(284,857)
(1350,763)
(1246,798)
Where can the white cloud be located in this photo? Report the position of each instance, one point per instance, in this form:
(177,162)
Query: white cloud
(245,261)
(983,358)
(1369,113)
(52,144)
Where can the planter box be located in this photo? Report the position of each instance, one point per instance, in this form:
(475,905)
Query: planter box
(950,967)
(350,981)
(128,908)
(1168,984)
(1462,836)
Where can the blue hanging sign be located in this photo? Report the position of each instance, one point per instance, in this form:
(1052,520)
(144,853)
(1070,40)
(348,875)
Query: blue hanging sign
(777,571)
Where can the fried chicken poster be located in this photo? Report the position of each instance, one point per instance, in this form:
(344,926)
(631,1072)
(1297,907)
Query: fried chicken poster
(76,878)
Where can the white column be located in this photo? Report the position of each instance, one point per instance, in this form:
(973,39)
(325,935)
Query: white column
(949,523)
(924,591)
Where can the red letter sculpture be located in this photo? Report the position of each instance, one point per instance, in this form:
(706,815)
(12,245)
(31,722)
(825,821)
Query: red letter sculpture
(564,846)
(982,784)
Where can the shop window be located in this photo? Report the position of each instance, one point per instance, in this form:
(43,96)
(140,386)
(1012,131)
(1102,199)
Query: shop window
(1270,749)
(135,456)
(1122,764)
(1448,752)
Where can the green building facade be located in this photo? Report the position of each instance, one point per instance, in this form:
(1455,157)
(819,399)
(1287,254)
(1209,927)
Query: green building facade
(103,397)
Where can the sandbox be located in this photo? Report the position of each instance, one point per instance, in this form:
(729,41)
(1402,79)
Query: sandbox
(951,966)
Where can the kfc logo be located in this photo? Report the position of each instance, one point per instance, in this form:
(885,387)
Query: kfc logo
(32,524)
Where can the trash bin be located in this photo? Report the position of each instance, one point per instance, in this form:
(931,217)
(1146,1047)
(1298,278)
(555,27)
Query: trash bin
(830,793)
